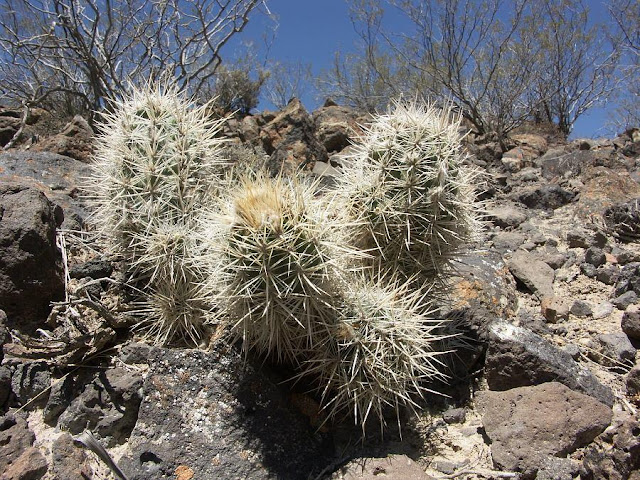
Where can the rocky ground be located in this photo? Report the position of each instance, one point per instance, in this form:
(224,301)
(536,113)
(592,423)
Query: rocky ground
(548,388)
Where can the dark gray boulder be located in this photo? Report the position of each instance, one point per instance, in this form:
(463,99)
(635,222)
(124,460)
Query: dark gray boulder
(545,197)
(595,256)
(608,274)
(95,269)
(108,406)
(218,415)
(633,381)
(625,300)
(518,357)
(581,308)
(5,387)
(31,274)
(631,322)
(628,280)
(30,382)
(60,178)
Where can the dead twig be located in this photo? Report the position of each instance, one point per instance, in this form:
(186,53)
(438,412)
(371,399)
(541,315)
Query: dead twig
(486,473)
(23,122)
(87,439)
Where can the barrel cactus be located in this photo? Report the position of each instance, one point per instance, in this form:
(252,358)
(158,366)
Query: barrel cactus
(407,183)
(274,258)
(158,164)
(384,351)
(175,305)
(156,161)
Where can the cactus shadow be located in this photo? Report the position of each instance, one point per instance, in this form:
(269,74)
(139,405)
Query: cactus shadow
(276,424)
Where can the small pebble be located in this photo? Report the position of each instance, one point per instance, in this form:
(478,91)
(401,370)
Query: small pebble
(529,176)
(578,239)
(555,309)
(554,259)
(588,269)
(566,275)
(600,239)
(571,259)
(468,431)
(445,466)
(610,258)
(631,322)
(603,310)
(573,350)
(538,238)
(595,256)
(560,330)
(616,351)
(626,256)
(633,381)
(623,301)
(454,415)
(581,309)
(608,274)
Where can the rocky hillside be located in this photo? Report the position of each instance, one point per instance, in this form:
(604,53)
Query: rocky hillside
(548,387)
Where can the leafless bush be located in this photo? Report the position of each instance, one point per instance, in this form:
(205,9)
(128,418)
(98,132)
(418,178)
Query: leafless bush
(236,91)
(286,81)
(87,51)
(576,66)
(369,79)
(626,35)
(501,62)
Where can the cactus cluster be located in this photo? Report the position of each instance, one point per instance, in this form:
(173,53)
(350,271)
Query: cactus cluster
(158,162)
(323,280)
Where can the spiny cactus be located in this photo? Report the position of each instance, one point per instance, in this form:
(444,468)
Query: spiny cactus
(279,256)
(273,255)
(406,181)
(158,163)
(157,160)
(176,303)
(382,353)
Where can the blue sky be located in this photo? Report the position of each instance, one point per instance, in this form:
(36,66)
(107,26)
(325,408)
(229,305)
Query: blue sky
(313,30)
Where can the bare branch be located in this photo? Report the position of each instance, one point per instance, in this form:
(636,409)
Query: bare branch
(97,49)
(491,59)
